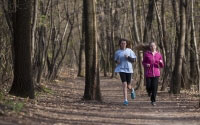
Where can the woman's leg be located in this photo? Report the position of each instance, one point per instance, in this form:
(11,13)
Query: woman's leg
(128,79)
(154,88)
(148,86)
(124,86)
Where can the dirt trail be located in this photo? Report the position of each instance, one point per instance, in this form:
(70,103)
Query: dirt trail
(64,107)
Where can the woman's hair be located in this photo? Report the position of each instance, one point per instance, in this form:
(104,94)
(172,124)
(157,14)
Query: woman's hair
(151,43)
(143,47)
(127,42)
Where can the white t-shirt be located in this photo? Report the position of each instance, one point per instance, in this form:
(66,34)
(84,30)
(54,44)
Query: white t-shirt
(125,65)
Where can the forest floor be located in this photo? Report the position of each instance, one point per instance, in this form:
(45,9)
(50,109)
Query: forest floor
(62,104)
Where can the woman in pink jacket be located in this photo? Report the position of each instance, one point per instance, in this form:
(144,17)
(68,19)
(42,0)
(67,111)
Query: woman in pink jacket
(152,62)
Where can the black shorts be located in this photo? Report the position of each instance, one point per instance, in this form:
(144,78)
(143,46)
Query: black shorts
(125,77)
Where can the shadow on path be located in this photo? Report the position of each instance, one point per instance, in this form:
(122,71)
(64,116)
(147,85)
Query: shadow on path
(65,107)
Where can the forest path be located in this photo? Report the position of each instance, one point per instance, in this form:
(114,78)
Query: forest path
(63,106)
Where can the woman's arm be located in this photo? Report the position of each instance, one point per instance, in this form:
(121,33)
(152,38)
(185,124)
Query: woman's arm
(131,59)
(145,61)
(161,63)
(116,58)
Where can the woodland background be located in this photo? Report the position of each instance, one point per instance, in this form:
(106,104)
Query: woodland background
(41,38)
(57,61)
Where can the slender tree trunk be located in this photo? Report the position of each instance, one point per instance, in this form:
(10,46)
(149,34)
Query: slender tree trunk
(135,28)
(81,51)
(185,66)
(59,49)
(10,20)
(177,21)
(141,23)
(22,83)
(105,48)
(186,71)
(160,30)
(177,73)
(34,22)
(92,81)
(138,40)
(193,34)
(148,21)
(112,50)
(166,47)
(177,37)
(112,35)
(39,47)
(39,60)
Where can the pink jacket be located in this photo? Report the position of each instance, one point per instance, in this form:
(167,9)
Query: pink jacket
(155,64)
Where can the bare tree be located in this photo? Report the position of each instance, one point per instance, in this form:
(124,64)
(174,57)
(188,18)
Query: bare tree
(177,35)
(34,22)
(22,83)
(138,40)
(166,47)
(39,45)
(92,82)
(148,21)
(58,44)
(193,34)
(177,73)
(81,63)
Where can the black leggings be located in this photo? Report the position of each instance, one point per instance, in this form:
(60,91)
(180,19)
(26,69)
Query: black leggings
(152,86)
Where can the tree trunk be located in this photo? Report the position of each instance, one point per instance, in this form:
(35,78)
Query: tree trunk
(193,34)
(34,22)
(22,84)
(138,40)
(177,37)
(187,63)
(167,70)
(177,21)
(185,66)
(140,84)
(59,44)
(135,28)
(185,75)
(92,81)
(177,73)
(81,51)
(113,16)
(40,46)
(148,21)
(10,20)
(161,32)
